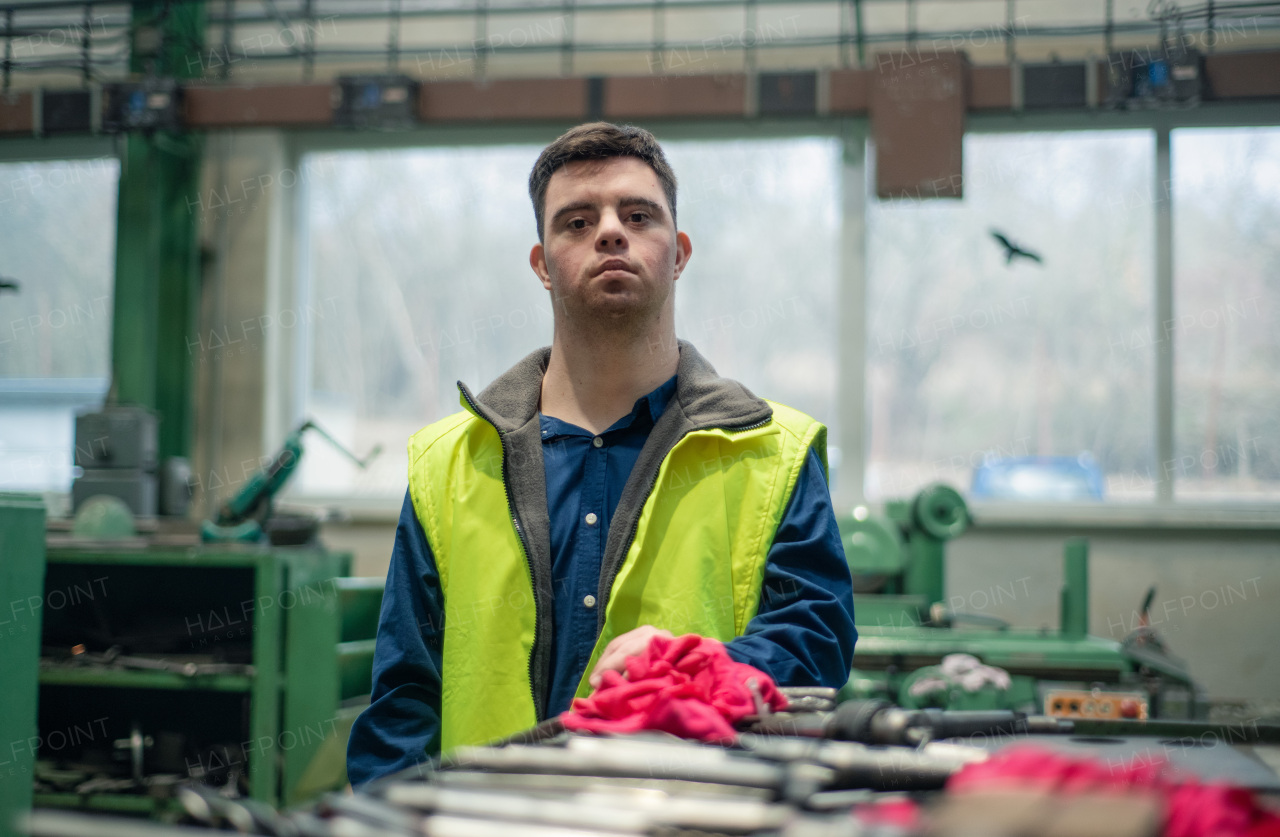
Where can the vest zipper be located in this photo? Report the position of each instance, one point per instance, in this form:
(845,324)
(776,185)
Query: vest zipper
(524,547)
(607,589)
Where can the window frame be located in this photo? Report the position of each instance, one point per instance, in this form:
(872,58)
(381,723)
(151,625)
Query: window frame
(14,150)
(851,401)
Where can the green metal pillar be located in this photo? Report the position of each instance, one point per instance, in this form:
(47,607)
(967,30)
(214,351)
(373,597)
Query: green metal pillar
(1075,589)
(21,600)
(157,252)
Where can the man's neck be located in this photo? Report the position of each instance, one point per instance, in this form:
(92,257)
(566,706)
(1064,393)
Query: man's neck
(594,380)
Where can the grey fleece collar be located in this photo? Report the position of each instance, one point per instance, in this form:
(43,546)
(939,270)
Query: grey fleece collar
(704,398)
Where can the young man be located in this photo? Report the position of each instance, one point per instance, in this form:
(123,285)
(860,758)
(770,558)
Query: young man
(603,491)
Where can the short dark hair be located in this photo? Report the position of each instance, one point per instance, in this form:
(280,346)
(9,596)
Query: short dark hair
(598,141)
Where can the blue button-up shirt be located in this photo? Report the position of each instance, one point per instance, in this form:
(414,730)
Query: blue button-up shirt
(801,635)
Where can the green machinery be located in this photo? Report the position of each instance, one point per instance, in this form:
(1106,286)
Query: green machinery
(906,631)
(229,657)
(247,514)
(239,666)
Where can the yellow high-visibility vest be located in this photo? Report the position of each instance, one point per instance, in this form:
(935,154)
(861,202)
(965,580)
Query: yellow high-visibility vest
(695,563)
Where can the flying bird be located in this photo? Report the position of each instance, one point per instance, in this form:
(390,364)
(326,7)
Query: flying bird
(8,285)
(1011,249)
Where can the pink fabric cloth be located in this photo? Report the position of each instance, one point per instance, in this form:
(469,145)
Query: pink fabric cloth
(1192,808)
(687,685)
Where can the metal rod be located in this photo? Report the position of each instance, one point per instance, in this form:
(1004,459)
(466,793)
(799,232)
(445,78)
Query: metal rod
(851,307)
(309,59)
(857,25)
(1108,38)
(393,39)
(566,56)
(844,36)
(86,41)
(1165,443)
(1010,48)
(659,35)
(227,28)
(482,37)
(8,47)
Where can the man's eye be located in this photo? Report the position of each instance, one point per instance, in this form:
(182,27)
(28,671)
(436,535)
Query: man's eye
(639,217)
(578,224)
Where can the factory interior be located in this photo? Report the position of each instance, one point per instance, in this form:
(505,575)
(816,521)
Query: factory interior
(1019,258)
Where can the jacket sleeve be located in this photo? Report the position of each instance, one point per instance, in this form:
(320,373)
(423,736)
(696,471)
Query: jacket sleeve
(803,633)
(401,726)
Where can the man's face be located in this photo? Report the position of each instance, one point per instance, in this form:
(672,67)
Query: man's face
(610,253)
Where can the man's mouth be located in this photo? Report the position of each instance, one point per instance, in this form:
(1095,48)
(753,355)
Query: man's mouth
(614,264)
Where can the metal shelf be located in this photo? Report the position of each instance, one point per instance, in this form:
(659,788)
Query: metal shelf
(125,679)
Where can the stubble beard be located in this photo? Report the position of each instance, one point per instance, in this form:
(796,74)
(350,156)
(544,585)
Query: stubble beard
(599,316)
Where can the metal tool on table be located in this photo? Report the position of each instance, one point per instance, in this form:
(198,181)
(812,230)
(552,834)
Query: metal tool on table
(880,722)
(245,516)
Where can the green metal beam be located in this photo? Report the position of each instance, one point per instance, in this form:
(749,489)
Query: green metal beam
(157,254)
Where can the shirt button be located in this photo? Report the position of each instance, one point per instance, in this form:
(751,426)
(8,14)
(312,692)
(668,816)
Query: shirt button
(597,442)
(589,600)
(591,518)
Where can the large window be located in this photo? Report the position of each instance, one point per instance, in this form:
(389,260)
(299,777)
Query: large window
(1017,373)
(1010,338)
(417,264)
(57,246)
(1226,328)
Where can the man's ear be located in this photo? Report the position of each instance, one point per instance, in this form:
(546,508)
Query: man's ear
(538,261)
(684,251)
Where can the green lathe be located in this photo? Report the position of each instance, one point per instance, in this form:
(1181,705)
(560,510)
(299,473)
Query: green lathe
(908,637)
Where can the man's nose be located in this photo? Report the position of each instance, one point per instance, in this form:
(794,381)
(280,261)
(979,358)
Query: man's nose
(612,231)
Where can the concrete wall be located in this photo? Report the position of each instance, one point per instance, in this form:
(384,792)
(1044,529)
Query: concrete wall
(1217,602)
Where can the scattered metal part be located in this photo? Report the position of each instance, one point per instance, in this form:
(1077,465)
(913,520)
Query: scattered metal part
(114,658)
(880,722)
(136,744)
(810,703)
(50,823)
(617,757)
(552,783)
